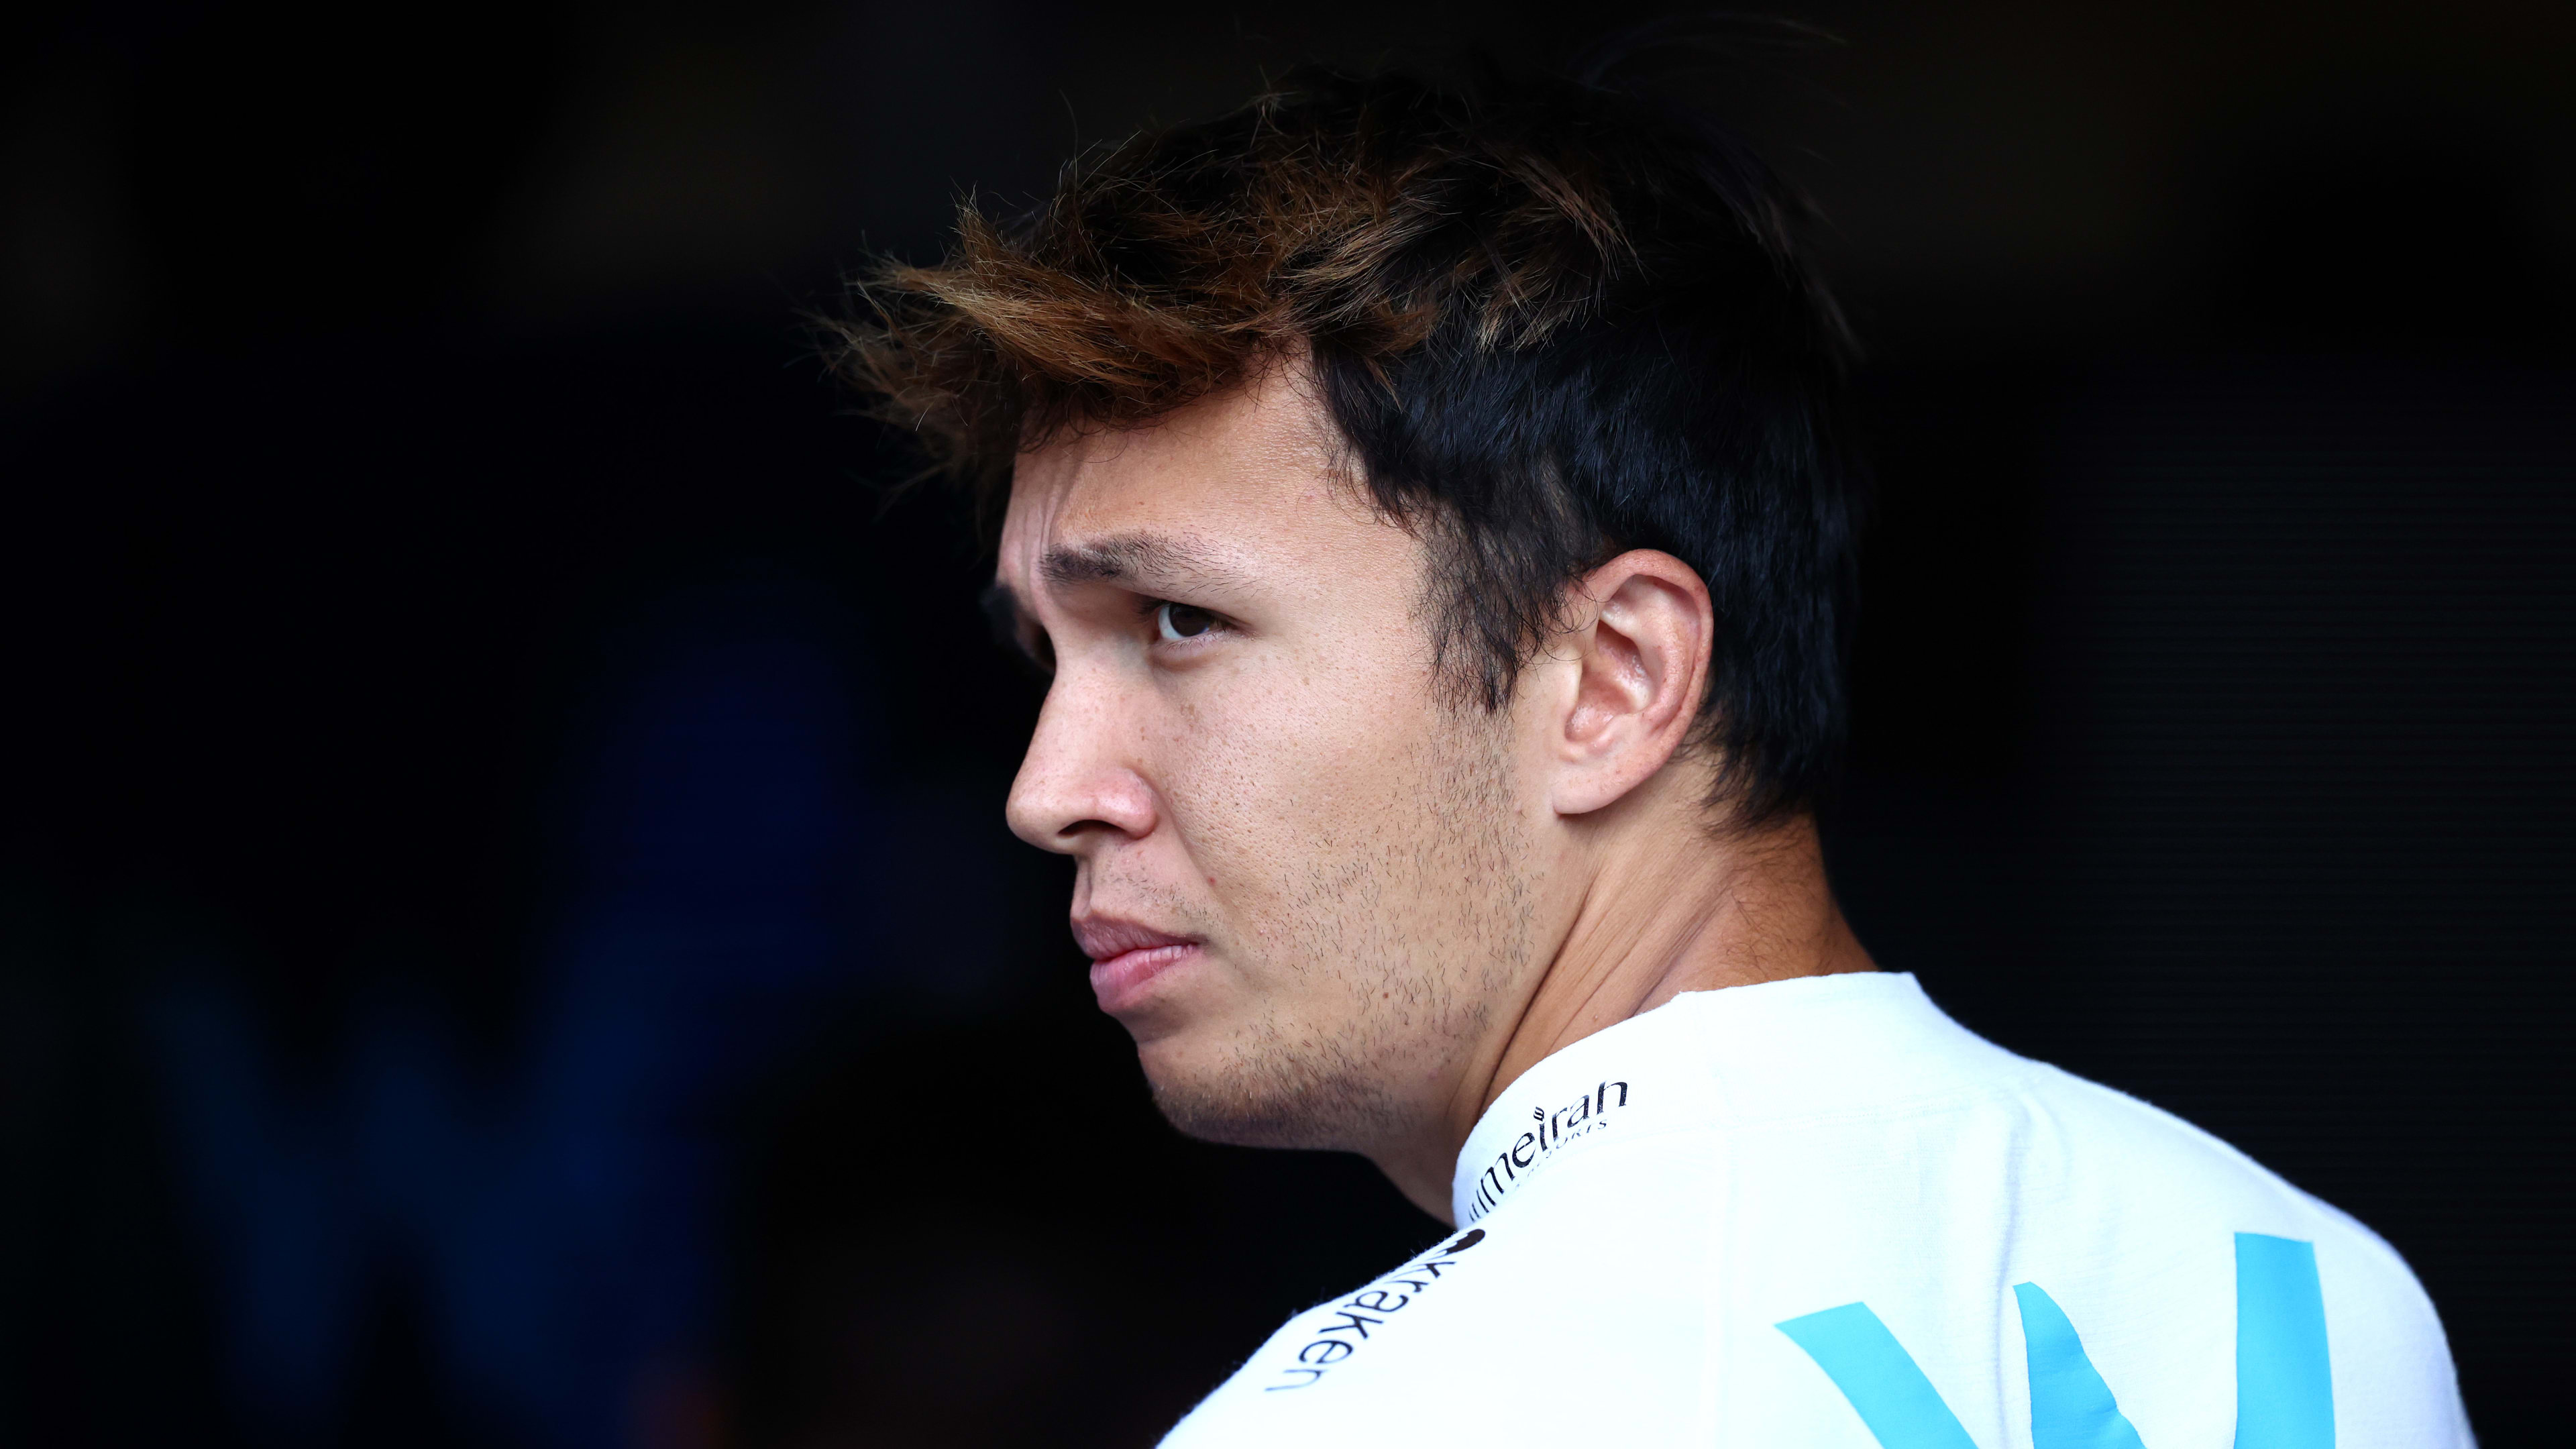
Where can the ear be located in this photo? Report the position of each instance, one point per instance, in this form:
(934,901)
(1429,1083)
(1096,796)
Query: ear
(1634,662)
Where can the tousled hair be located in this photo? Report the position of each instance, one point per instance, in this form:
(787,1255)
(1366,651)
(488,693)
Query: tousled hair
(1550,320)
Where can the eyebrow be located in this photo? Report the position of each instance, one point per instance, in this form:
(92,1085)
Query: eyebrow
(1133,559)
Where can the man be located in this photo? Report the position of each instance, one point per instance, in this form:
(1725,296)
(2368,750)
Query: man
(1431,506)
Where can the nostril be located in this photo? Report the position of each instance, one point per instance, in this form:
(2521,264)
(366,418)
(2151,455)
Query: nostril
(1065,804)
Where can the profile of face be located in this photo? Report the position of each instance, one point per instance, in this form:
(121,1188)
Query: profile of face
(1306,878)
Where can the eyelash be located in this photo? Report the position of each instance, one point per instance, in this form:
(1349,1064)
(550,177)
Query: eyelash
(1160,612)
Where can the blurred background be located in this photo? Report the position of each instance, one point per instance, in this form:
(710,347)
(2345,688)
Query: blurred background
(506,931)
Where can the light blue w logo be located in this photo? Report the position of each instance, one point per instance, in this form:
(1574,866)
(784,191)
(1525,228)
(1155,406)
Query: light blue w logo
(2284,1391)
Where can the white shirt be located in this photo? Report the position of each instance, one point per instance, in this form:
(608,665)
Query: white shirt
(1821,1213)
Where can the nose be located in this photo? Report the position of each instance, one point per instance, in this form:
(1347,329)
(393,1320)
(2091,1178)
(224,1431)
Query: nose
(1078,787)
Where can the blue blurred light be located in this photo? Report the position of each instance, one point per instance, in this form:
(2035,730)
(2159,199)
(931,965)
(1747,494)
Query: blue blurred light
(558,1221)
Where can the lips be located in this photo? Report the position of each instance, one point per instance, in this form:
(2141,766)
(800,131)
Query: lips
(1126,956)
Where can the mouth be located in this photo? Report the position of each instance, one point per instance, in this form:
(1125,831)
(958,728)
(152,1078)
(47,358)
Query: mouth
(1127,956)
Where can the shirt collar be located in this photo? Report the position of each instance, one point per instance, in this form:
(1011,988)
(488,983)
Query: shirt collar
(1704,1058)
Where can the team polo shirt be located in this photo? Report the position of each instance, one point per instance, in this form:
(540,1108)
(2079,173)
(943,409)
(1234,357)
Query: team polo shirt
(1820,1213)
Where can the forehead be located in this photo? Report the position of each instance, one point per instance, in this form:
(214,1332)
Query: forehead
(1247,474)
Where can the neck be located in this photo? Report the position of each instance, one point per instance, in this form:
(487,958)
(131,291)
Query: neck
(1664,912)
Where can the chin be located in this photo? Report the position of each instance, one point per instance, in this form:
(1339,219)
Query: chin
(1271,1098)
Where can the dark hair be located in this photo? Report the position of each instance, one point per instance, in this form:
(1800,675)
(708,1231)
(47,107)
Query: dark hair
(1553,322)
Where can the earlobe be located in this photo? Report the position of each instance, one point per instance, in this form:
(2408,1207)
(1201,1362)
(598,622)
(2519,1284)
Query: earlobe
(1639,659)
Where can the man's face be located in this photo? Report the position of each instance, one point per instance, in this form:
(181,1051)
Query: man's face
(1304,878)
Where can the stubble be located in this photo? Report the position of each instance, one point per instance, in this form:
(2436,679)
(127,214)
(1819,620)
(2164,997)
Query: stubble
(1418,937)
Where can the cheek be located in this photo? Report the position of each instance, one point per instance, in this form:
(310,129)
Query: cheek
(1283,779)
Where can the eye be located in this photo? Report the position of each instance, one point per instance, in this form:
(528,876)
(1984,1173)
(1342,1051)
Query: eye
(1176,622)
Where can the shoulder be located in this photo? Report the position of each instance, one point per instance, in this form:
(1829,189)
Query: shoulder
(2029,1147)
(2148,1228)
(2391,1359)
(1932,1204)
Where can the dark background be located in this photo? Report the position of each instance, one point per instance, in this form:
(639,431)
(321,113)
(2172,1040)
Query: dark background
(506,933)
